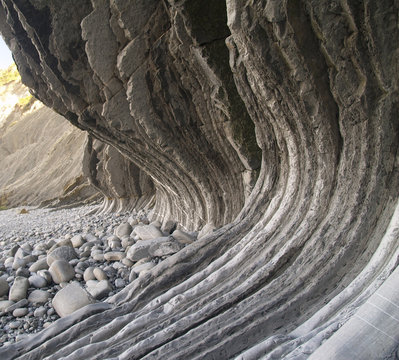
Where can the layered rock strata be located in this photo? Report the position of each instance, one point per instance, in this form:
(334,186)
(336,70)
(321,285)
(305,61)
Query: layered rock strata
(41,154)
(299,96)
(123,185)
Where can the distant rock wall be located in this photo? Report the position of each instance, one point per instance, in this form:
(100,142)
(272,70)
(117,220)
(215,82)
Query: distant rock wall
(277,120)
(41,154)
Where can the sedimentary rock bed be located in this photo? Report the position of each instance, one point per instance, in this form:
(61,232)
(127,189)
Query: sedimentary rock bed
(277,120)
(40,152)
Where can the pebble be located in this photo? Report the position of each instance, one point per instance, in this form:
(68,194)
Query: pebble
(61,271)
(19,312)
(164,248)
(38,297)
(70,299)
(127,241)
(46,275)
(138,269)
(40,264)
(114,256)
(18,263)
(89,274)
(37,281)
(65,253)
(123,229)
(14,324)
(4,304)
(92,252)
(40,312)
(147,232)
(22,272)
(77,241)
(98,257)
(20,303)
(19,289)
(4,287)
(119,283)
(100,289)
(140,249)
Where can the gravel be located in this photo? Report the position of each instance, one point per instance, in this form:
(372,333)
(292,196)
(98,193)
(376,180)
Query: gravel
(93,250)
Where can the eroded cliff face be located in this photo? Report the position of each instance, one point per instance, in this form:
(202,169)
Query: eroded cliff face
(41,153)
(276,119)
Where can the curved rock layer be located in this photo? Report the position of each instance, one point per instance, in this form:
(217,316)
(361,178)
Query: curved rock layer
(299,96)
(124,186)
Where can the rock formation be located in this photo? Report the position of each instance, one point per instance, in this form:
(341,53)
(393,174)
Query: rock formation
(41,154)
(274,120)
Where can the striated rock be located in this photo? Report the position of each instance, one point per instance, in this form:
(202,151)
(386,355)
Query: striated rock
(182,237)
(41,151)
(164,248)
(274,122)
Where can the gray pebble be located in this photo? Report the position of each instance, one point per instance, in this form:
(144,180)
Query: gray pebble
(20,312)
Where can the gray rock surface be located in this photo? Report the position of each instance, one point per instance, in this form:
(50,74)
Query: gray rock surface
(19,289)
(38,297)
(40,264)
(271,126)
(123,230)
(19,312)
(37,281)
(71,298)
(4,304)
(4,287)
(61,271)
(147,232)
(65,253)
(40,151)
(140,249)
(99,289)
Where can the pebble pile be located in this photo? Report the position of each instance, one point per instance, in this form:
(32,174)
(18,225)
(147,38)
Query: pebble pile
(53,263)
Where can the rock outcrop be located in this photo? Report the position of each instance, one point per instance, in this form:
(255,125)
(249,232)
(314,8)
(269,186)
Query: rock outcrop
(41,154)
(274,119)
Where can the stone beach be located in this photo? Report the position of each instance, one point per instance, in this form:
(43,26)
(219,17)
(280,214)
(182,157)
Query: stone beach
(53,263)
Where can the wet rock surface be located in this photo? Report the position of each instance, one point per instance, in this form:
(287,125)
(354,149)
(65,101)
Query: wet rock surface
(64,275)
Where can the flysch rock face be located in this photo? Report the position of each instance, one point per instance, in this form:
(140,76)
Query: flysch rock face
(277,119)
(41,154)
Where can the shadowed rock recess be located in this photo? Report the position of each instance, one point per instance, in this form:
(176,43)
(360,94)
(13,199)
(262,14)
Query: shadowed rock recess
(274,121)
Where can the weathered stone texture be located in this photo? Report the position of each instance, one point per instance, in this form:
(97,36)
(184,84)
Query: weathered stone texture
(276,119)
